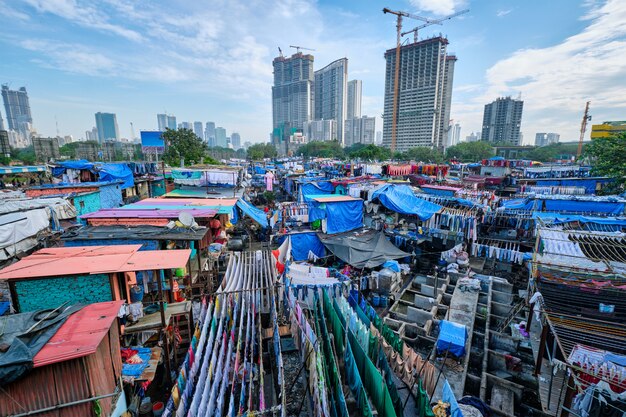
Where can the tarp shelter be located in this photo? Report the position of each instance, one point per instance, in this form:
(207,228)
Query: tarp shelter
(573,205)
(452,338)
(114,172)
(558,218)
(362,250)
(401,199)
(311,189)
(256,214)
(300,244)
(341,212)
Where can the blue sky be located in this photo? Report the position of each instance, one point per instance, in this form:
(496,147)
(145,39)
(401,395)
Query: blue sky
(211,60)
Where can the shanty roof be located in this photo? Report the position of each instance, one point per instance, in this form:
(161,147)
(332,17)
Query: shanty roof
(54,262)
(21,169)
(333,198)
(80,335)
(221,205)
(134,233)
(154,213)
(205,193)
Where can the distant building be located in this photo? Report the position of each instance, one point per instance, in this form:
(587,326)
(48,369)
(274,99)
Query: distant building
(46,149)
(161,122)
(473,137)
(379,137)
(607,129)
(171,122)
(186,125)
(209,133)
(360,130)
(247,144)
(92,134)
(355,93)
(220,137)
(292,95)
(331,95)
(106,123)
(424,95)
(17,110)
(320,130)
(235,140)
(87,150)
(1,122)
(545,139)
(198,130)
(5,146)
(502,121)
(454,134)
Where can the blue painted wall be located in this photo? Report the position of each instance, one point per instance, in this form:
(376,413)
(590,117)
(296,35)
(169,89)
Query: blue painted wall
(157,188)
(111,196)
(145,244)
(87,203)
(49,293)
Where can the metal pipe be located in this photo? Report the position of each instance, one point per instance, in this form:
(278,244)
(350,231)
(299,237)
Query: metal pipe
(58,406)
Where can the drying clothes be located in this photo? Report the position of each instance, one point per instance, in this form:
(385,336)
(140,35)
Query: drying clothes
(269,181)
(537,301)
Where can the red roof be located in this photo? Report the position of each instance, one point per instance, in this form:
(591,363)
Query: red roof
(55,262)
(148,213)
(80,335)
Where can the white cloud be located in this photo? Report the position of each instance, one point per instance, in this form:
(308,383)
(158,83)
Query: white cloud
(438,7)
(502,13)
(556,81)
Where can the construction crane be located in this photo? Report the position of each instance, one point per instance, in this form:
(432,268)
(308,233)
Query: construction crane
(280,51)
(396,87)
(583,129)
(297,48)
(432,22)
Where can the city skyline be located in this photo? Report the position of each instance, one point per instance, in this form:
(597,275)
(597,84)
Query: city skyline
(73,65)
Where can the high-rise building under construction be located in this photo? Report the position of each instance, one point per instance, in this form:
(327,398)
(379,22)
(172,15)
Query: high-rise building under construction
(424,94)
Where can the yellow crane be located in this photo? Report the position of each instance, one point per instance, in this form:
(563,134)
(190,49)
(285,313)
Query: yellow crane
(583,129)
(427,22)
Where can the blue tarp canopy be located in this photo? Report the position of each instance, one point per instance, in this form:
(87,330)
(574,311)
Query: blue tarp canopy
(496,158)
(315,188)
(566,218)
(256,214)
(302,243)
(452,338)
(78,164)
(571,206)
(401,199)
(19,170)
(341,216)
(259,170)
(114,172)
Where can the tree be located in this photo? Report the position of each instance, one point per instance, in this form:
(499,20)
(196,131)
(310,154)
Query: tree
(25,155)
(369,152)
(609,159)
(423,154)
(218,152)
(552,152)
(183,144)
(319,149)
(261,150)
(470,151)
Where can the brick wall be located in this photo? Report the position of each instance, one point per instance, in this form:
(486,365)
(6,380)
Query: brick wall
(38,294)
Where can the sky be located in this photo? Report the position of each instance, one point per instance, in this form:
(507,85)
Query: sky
(212,60)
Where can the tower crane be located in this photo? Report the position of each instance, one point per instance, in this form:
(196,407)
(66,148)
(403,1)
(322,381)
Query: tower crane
(280,51)
(399,15)
(297,48)
(432,22)
(583,129)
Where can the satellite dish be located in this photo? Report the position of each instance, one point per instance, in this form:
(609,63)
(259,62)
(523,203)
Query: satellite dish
(186,219)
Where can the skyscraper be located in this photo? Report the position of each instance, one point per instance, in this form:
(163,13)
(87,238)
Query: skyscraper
(355,91)
(106,123)
(292,94)
(320,130)
(185,125)
(92,134)
(502,120)
(171,122)
(161,122)
(1,122)
(17,110)
(235,140)
(331,95)
(360,130)
(454,134)
(220,137)
(209,133)
(424,94)
(545,139)
(197,129)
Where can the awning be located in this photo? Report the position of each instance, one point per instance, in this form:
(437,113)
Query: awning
(362,250)
(19,170)
(401,199)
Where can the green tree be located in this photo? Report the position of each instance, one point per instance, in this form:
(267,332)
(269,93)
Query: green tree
(261,150)
(183,144)
(325,149)
(368,152)
(218,152)
(25,155)
(470,151)
(241,153)
(423,154)
(69,149)
(552,152)
(609,159)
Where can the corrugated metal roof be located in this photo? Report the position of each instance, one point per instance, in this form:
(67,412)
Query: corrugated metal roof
(56,262)
(334,198)
(80,335)
(149,213)
(211,202)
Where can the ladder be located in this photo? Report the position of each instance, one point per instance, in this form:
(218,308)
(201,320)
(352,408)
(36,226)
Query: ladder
(512,314)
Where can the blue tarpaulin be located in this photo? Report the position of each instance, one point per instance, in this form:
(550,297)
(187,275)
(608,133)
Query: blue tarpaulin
(519,204)
(566,218)
(452,338)
(259,170)
(608,207)
(114,172)
(341,216)
(302,243)
(256,214)
(401,199)
(78,164)
(315,188)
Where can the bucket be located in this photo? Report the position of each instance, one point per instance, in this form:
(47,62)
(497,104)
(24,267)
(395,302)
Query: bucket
(375,300)
(383,301)
(136,294)
(145,409)
(157,409)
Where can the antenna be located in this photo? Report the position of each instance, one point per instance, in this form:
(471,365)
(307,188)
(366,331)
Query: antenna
(56,121)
